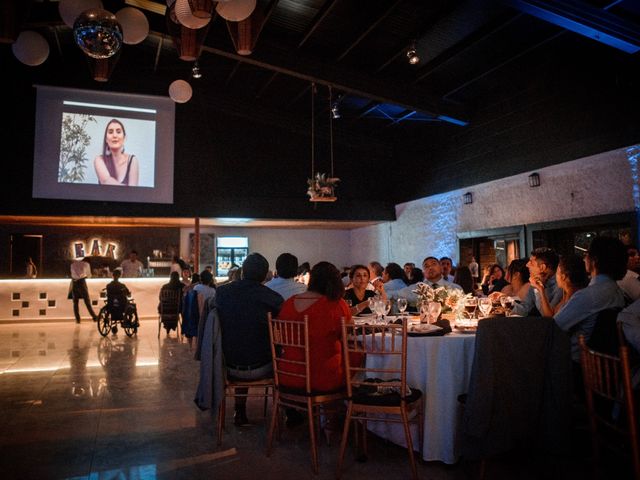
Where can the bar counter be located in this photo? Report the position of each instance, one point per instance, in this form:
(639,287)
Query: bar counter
(45,300)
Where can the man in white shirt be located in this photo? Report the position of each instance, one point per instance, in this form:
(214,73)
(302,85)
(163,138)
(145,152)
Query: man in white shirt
(285,283)
(474,267)
(447,265)
(80,271)
(630,283)
(432,276)
(375,274)
(132,267)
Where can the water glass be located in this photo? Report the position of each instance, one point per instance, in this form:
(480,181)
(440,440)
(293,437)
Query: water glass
(434,311)
(402,305)
(485,306)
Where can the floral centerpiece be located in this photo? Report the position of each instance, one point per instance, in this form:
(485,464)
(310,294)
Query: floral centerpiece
(321,188)
(451,299)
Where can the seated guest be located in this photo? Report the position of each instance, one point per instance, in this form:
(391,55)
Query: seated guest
(571,276)
(408,271)
(174,285)
(375,273)
(285,283)
(242,308)
(324,307)
(118,291)
(416,276)
(393,278)
(433,277)
(358,295)
(303,273)
(542,266)
(494,280)
(447,265)
(518,278)
(630,283)
(606,261)
(464,279)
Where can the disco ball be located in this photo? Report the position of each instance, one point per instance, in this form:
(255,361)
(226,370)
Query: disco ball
(98,33)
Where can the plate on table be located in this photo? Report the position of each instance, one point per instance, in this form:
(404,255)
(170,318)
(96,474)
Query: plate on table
(424,329)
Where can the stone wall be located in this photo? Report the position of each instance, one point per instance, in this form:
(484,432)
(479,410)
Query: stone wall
(597,185)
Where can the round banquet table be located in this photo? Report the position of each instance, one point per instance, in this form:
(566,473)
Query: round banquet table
(441,368)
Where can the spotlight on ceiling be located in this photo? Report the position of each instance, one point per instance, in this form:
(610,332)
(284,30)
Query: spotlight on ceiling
(412,55)
(195,71)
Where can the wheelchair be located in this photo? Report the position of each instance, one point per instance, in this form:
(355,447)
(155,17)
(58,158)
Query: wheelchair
(118,311)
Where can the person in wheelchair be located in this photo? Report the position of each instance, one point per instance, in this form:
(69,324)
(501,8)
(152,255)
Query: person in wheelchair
(118,296)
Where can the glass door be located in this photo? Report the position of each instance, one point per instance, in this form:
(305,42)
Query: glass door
(230,251)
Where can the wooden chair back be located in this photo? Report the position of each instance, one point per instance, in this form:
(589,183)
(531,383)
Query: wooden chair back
(386,342)
(610,400)
(286,334)
(170,300)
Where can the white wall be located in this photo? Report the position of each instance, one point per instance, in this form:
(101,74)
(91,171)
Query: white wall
(601,184)
(310,246)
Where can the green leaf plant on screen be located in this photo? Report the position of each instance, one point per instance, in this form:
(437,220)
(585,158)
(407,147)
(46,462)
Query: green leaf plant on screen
(73,148)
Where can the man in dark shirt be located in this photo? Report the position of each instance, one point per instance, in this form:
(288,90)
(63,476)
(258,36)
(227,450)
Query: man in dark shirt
(242,307)
(117,295)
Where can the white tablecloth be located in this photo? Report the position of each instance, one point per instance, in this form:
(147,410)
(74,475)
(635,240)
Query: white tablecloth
(440,367)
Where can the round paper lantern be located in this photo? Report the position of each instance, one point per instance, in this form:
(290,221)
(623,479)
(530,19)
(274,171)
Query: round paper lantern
(134,23)
(71,9)
(195,18)
(180,91)
(98,33)
(30,48)
(236,10)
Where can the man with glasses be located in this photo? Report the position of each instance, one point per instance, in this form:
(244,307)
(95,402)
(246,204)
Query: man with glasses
(542,266)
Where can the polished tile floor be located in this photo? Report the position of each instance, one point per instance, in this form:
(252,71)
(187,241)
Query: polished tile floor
(75,405)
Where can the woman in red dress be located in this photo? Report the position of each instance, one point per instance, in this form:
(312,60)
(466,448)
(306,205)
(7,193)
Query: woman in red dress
(324,307)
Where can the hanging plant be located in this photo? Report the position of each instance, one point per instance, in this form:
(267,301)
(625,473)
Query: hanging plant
(321,188)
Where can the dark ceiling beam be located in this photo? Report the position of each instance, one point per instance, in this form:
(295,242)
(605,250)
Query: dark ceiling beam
(232,73)
(277,59)
(300,94)
(476,37)
(318,19)
(583,19)
(270,80)
(369,29)
(502,64)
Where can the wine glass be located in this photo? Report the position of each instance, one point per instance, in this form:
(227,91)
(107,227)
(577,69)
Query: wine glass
(434,311)
(470,305)
(387,306)
(485,305)
(507,304)
(402,305)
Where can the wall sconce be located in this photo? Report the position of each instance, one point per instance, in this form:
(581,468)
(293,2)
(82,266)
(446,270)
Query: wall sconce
(534,180)
(467,198)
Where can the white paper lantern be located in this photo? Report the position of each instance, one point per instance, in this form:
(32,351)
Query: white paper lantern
(192,19)
(134,23)
(180,91)
(31,48)
(71,9)
(236,10)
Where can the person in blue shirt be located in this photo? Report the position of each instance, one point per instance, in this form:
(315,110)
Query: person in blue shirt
(542,266)
(606,262)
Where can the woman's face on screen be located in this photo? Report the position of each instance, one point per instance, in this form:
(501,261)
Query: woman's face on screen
(115,136)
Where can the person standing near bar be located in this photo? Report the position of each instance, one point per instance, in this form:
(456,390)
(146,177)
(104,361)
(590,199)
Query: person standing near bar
(80,271)
(132,267)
